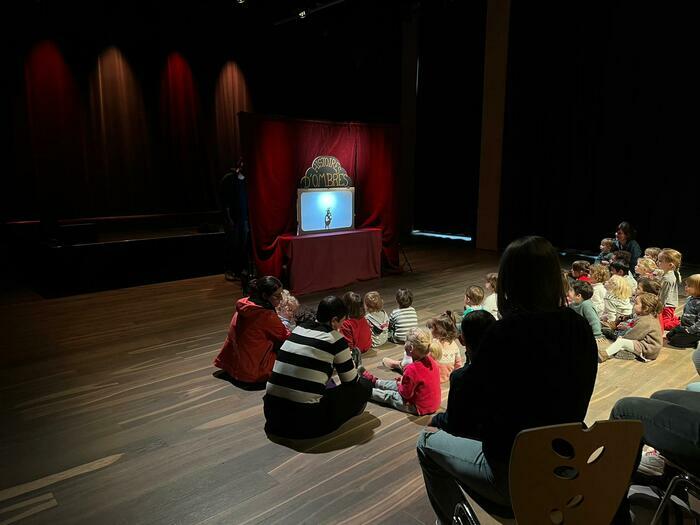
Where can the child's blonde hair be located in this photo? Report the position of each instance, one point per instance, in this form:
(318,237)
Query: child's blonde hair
(672,256)
(694,282)
(373,301)
(652,252)
(475,294)
(608,242)
(288,305)
(492,279)
(600,273)
(443,327)
(647,266)
(619,287)
(582,267)
(650,303)
(422,344)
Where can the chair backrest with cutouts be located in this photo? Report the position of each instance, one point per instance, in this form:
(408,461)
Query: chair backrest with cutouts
(569,474)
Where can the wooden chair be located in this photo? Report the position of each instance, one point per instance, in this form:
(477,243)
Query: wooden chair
(568,474)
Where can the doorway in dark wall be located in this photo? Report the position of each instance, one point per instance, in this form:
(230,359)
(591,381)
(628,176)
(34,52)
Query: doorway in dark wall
(448,116)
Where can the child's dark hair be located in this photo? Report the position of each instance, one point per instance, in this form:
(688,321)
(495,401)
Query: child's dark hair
(626,228)
(330,307)
(474,326)
(444,326)
(264,287)
(620,266)
(649,285)
(305,317)
(583,267)
(529,277)
(353,302)
(404,297)
(622,255)
(583,288)
(475,294)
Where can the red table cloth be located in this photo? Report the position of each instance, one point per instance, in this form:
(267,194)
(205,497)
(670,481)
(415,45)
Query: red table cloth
(330,260)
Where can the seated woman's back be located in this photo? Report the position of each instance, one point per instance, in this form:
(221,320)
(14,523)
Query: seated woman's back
(532,369)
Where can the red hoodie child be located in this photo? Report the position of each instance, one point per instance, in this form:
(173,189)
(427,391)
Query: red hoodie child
(250,349)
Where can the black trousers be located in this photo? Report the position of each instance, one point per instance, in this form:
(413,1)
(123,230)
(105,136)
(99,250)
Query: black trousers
(682,339)
(292,420)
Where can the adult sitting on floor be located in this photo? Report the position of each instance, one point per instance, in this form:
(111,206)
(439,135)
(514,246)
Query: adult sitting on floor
(534,367)
(301,400)
(254,336)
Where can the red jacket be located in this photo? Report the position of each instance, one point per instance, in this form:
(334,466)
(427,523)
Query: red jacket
(250,349)
(420,385)
(357,333)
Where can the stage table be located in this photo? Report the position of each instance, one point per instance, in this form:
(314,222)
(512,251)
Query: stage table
(331,260)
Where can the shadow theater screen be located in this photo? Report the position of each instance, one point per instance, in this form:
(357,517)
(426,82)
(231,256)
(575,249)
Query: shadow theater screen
(325,210)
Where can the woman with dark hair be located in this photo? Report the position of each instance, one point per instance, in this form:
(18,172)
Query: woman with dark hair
(625,241)
(254,336)
(534,367)
(298,403)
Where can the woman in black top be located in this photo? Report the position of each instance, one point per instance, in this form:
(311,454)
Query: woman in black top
(625,240)
(534,367)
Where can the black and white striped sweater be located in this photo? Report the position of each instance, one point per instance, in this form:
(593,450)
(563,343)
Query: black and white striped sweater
(306,361)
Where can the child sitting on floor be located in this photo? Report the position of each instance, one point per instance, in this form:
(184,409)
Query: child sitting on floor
(606,248)
(377,318)
(418,390)
(617,299)
(619,327)
(287,309)
(580,270)
(403,318)
(670,263)
(490,303)
(582,305)
(443,328)
(473,299)
(599,275)
(643,341)
(355,328)
(687,334)
(645,268)
(474,326)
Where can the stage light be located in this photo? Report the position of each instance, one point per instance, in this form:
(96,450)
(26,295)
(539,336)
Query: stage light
(302,14)
(240,2)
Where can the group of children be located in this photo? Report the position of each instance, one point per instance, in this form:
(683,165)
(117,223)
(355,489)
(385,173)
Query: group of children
(431,354)
(634,310)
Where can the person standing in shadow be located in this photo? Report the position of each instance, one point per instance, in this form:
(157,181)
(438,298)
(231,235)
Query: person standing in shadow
(234,207)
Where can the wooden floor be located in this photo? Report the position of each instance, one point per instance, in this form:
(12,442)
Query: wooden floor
(110,413)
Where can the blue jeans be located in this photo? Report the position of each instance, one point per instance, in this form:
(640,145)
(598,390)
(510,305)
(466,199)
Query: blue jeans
(671,420)
(446,460)
(386,392)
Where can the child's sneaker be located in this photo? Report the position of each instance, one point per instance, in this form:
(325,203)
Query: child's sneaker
(369,377)
(652,464)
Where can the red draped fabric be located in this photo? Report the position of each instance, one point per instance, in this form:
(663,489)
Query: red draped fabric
(278,151)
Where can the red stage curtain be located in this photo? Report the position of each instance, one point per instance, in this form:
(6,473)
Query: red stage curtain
(278,151)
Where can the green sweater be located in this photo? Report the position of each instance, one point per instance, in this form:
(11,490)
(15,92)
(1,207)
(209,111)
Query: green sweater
(587,310)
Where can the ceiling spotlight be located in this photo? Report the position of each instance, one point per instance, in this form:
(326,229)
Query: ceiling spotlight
(302,14)
(240,2)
